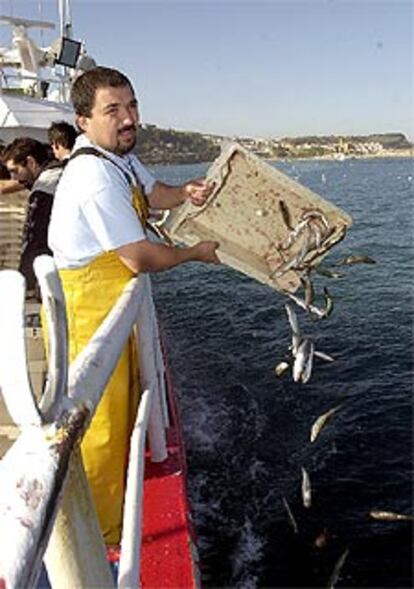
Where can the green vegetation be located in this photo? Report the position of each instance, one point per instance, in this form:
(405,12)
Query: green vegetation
(155,146)
(167,146)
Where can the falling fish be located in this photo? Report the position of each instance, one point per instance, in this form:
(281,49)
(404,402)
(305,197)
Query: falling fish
(328,273)
(349,260)
(293,319)
(337,569)
(290,515)
(306,489)
(281,368)
(320,423)
(390,516)
(303,363)
(329,305)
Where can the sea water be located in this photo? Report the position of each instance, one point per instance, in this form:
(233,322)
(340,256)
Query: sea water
(247,431)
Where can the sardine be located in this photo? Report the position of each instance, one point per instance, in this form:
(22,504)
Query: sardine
(293,319)
(308,288)
(286,216)
(324,356)
(320,423)
(302,365)
(390,516)
(281,368)
(329,305)
(307,371)
(290,515)
(294,234)
(337,569)
(328,273)
(306,489)
(349,260)
(316,215)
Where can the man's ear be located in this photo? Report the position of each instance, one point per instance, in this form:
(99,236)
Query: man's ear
(31,163)
(82,122)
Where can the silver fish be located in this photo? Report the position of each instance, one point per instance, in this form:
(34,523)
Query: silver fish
(319,313)
(293,319)
(337,569)
(349,260)
(329,305)
(294,234)
(321,422)
(306,374)
(328,273)
(324,356)
(391,516)
(290,515)
(306,489)
(316,215)
(308,288)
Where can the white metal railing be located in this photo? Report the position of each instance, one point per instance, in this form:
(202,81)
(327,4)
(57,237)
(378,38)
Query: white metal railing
(45,503)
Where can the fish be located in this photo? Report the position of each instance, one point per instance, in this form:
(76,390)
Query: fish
(337,569)
(293,319)
(286,216)
(324,356)
(302,365)
(316,215)
(313,309)
(294,234)
(349,260)
(281,368)
(328,273)
(306,489)
(306,282)
(320,423)
(329,305)
(290,515)
(390,516)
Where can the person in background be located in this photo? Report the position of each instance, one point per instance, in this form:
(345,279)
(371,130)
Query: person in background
(28,162)
(98,235)
(7,185)
(62,137)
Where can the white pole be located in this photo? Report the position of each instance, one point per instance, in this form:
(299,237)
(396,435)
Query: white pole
(129,566)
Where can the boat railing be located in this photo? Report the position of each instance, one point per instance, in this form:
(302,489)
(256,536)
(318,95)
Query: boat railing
(46,510)
(36,86)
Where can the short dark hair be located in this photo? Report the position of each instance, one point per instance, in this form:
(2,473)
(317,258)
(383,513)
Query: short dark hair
(62,133)
(23,147)
(4,172)
(84,88)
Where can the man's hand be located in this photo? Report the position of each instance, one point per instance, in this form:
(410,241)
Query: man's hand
(205,251)
(197,191)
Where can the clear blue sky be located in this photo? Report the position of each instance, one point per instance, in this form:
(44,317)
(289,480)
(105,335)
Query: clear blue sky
(259,68)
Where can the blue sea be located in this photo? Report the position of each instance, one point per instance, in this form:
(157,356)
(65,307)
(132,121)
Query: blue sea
(247,431)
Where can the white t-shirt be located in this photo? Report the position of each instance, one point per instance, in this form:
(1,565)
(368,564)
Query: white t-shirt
(92,210)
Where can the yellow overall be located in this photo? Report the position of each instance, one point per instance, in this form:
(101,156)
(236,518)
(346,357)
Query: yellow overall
(90,293)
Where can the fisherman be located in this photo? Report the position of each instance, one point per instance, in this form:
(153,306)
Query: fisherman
(30,163)
(98,234)
(7,185)
(62,137)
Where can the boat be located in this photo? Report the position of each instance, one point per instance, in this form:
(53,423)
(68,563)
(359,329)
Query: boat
(34,91)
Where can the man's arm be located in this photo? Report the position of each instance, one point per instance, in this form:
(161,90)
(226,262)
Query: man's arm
(164,196)
(145,256)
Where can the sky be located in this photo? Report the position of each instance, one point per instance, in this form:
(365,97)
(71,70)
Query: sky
(263,68)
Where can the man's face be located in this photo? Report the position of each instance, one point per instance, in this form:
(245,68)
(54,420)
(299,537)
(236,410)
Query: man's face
(113,121)
(25,173)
